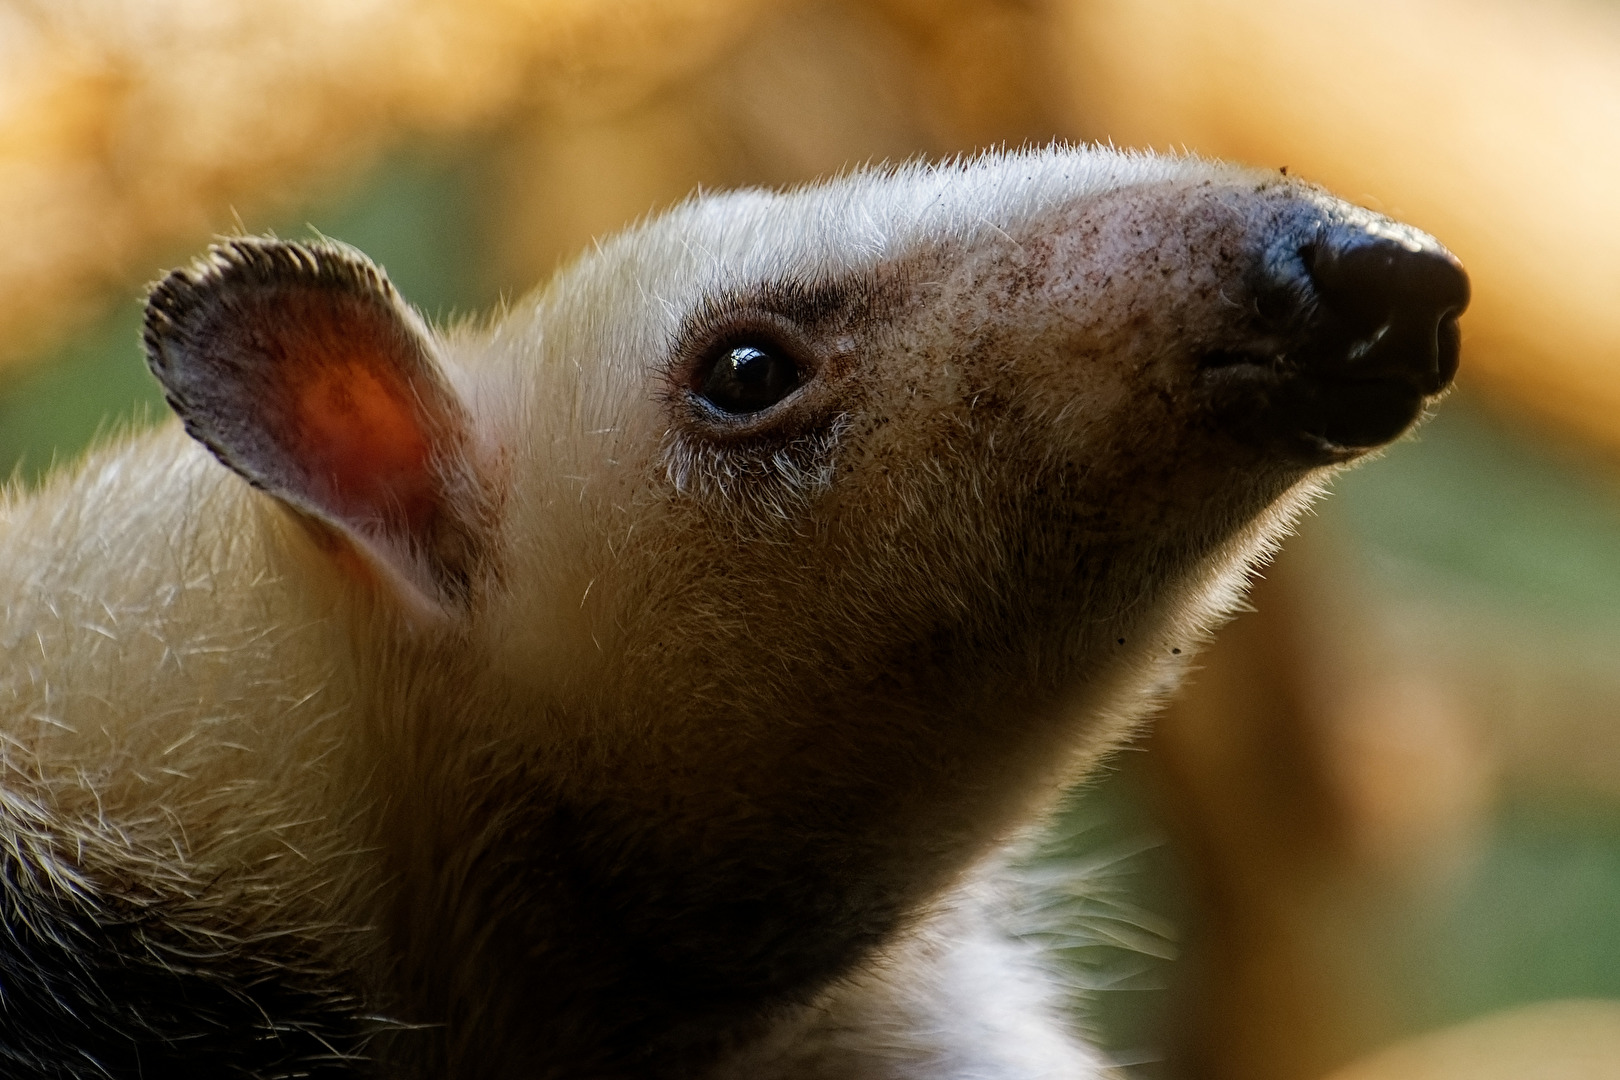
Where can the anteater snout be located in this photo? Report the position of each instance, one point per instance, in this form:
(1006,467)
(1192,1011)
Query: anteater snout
(1356,327)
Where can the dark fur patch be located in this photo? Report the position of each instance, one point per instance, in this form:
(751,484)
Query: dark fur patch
(97,984)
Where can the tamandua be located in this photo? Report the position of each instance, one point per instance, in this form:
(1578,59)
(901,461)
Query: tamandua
(642,684)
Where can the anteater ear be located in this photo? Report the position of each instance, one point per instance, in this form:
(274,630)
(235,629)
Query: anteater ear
(300,368)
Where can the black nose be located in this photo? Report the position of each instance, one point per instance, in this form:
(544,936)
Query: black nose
(1392,305)
(1356,328)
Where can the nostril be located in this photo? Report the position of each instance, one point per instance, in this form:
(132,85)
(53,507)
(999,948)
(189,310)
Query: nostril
(1398,299)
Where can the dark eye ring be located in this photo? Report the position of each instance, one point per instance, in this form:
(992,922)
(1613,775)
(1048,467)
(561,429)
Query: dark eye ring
(747,377)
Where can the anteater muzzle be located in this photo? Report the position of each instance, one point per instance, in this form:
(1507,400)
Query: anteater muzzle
(1355,327)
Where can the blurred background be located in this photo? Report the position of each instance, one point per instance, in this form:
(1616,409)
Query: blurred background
(1378,834)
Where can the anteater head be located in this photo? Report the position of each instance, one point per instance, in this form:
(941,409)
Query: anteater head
(914,426)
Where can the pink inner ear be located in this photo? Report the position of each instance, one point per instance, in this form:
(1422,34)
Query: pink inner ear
(359,431)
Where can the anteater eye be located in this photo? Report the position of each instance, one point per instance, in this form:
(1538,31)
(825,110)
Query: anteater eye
(749,379)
